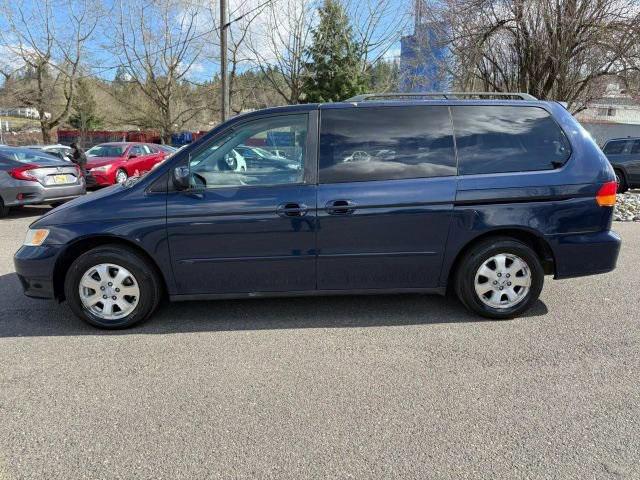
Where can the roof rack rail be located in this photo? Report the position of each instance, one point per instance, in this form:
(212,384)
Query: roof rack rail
(440,95)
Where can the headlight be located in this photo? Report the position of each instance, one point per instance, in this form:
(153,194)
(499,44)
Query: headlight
(35,238)
(103,168)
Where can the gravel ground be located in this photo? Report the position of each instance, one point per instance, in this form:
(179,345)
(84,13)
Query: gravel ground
(349,387)
(628,207)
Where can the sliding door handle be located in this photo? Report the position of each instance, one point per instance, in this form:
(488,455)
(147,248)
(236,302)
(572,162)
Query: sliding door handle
(340,207)
(292,209)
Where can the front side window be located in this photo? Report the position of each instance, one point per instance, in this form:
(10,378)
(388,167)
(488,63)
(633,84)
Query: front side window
(615,147)
(500,139)
(385,143)
(247,154)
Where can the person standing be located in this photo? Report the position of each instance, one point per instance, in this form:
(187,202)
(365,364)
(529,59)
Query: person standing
(80,158)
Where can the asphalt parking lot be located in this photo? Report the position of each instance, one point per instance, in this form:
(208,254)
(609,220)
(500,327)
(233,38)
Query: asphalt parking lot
(345,387)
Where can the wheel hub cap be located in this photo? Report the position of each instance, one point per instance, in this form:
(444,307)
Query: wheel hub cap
(109,291)
(502,281)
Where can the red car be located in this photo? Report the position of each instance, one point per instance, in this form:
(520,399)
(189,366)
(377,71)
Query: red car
(111,163)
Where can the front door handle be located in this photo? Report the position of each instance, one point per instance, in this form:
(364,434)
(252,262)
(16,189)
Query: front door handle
(292,209)
(340,207)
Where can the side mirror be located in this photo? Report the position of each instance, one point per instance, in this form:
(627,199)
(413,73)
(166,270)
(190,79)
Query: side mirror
(181,178)
(133,155)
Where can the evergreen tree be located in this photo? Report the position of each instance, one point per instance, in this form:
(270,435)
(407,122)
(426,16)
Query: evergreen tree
(335,72)
(85,110)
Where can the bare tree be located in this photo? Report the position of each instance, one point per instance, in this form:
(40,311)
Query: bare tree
(158,44)
(278,46)
(377,27)
(48,38)
(243,15)
(550,48)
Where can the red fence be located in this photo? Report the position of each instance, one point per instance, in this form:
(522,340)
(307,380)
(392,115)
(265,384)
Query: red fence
(95,137)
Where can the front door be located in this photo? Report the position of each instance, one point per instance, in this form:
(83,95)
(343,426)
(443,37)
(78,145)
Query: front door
(242,229)
(387,183)
(136,160)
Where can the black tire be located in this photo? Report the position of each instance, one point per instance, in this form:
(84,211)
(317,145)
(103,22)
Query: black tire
(621,180)
(480,253)
(4,210)
(145,275)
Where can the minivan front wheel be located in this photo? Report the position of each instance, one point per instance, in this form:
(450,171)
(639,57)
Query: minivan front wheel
(112,287)
(499,278)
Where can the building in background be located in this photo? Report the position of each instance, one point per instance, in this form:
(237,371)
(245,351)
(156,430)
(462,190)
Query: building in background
(615,115)
(22,112)
(423,55)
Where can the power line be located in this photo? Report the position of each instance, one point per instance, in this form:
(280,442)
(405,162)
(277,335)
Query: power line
(102,69)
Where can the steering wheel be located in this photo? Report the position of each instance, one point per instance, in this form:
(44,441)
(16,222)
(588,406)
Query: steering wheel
(231,161)
(360,156)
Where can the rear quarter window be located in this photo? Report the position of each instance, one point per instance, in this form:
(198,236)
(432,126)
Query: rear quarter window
(385,143)
(500,139)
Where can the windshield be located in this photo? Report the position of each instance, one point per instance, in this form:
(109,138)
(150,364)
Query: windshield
(26,155)
(106,151)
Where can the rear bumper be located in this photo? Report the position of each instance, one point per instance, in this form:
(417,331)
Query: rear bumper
(578,255)
(35,267)
(33,193)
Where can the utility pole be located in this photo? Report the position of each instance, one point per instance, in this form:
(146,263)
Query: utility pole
(224,25)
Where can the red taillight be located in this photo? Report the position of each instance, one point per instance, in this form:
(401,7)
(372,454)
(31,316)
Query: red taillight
(24,173)
(606,196)
(79,172)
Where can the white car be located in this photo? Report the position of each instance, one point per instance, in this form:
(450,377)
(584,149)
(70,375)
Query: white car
(61,151)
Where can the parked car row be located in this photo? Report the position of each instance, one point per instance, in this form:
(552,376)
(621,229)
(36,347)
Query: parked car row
(108,164)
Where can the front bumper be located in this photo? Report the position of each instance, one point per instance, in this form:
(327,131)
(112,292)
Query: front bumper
(35,267)
(583,254)
(103,179)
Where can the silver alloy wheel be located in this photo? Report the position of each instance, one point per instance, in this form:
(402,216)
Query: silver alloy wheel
(121,176)
(109,291)
(503,281)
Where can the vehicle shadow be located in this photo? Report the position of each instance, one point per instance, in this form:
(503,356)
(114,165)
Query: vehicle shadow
(21,316)
(28,211)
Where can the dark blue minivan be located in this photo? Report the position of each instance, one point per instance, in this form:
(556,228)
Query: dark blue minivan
(377,194)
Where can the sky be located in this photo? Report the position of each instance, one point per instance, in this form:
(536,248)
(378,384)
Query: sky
(268,20)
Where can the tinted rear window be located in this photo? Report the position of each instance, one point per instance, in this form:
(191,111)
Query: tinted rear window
(385,143)
(615,146)
(26,155)
(498,139)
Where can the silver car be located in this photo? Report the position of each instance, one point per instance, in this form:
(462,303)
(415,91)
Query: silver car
(29,177)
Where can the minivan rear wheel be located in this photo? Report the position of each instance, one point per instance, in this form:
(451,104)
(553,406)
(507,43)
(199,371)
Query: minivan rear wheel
(112,287)
(499,278)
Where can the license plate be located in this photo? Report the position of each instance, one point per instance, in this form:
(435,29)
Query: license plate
(61,179)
